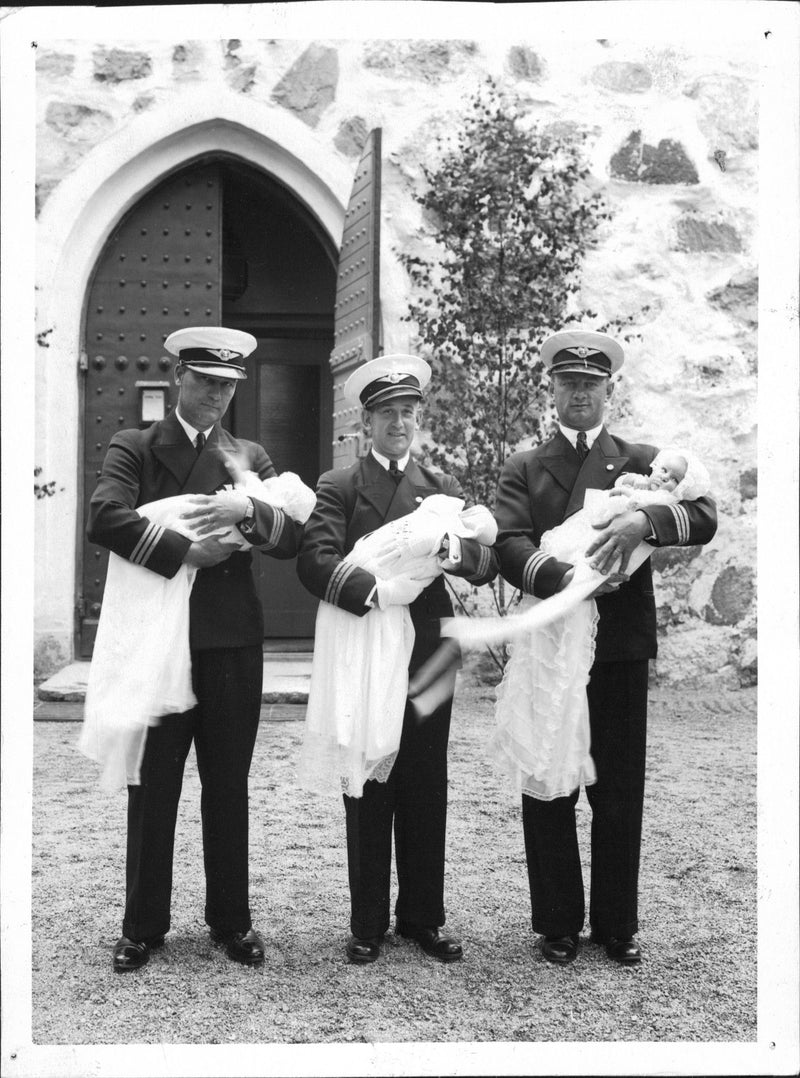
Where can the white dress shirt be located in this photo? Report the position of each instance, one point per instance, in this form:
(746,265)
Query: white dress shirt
(572,435)
(191,433)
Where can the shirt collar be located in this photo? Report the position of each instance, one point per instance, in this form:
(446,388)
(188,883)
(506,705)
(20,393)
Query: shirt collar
(191,433)
(402,464)
(572,435)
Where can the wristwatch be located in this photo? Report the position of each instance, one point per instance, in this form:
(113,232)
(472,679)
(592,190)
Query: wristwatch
(247,525)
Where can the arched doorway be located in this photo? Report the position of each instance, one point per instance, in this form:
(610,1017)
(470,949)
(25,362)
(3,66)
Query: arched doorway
(216,242)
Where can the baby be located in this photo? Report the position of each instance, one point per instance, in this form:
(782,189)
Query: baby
(542,738)
(666,471)
(675,475)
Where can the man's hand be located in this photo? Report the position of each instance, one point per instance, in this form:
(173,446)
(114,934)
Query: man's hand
(611,584)
(210,512)
(617,540)
(402,589)
(403,541)
(209,551)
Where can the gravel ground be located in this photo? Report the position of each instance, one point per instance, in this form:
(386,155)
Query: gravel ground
(698,902)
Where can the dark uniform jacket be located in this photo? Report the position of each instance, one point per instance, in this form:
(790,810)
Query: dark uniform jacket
(354,501)
(540,488)
(144,466)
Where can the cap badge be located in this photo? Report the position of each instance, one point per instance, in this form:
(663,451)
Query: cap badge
(223,353)
(394,377)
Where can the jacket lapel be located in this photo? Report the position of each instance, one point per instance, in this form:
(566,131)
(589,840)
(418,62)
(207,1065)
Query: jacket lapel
(598,472)
(561,461)
(209,472)
(376,487)
(194,474)
(412,489)
(173,450)
(389,500)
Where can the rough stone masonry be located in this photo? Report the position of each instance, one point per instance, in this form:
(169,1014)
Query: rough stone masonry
(672,144)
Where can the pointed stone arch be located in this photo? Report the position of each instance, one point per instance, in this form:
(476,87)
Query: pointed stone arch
(73,227)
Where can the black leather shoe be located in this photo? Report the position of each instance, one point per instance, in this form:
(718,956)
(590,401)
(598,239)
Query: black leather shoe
(627,951)
(133,954)
(560,949)
(363,950)
(432,941)
(623,949)
(245,947)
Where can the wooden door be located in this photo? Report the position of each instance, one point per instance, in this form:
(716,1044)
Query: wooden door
(219,243)
(357,330)
(160,270)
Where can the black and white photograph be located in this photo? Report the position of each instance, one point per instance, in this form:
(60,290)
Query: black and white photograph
(400,642)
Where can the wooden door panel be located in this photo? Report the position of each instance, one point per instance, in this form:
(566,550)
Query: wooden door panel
(159,271)
(357,325)
(289,417)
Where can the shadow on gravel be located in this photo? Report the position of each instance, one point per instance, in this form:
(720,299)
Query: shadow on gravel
(698,906)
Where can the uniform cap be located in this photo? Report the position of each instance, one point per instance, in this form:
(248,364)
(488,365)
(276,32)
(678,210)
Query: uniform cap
(582,352)
(386,377)
(212,350)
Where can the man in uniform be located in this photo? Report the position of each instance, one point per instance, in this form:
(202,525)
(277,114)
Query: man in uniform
(352,502)
(537,490)
(185,454)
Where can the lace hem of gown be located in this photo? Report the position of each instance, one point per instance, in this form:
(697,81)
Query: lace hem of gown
(542,738)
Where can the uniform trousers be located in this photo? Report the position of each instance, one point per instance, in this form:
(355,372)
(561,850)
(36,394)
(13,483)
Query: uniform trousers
(617,694)
(223,726)
(414,801)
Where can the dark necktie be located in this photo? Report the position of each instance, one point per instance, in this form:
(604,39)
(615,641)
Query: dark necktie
(199,442)
(581,446)
(394,471)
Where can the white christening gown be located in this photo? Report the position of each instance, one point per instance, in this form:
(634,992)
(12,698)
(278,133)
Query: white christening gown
(141,664)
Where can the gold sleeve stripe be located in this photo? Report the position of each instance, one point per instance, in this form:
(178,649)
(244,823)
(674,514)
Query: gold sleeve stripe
(278,524)
(483,564)
(532,567)
(336,582)
(144,548)
(681,523)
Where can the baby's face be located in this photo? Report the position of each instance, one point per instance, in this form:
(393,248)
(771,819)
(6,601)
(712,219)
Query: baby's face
(667,471)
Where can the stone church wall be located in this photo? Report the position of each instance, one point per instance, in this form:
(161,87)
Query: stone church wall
(673,146)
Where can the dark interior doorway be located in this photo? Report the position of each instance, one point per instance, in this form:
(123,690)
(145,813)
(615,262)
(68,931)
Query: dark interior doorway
(279,283)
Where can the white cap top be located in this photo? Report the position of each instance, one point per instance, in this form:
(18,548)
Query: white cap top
(213,350)
(582,351)
(386,377)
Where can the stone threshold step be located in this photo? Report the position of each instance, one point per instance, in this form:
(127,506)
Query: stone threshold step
(72,711)
(287,676)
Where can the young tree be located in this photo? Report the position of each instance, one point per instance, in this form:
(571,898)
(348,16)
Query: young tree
(511,215)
